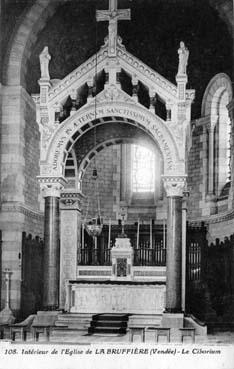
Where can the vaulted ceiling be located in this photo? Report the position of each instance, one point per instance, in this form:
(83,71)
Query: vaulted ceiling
(153,35)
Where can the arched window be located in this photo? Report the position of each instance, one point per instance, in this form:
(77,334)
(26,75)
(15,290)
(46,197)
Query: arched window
(222,142)
(214,106)
(143,169)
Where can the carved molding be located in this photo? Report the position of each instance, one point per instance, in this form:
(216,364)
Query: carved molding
(134,112)
(174,185)
(71,200)
(51,186)
(211,219)
(147,73)
(84,68)
(22,208)
(112,93)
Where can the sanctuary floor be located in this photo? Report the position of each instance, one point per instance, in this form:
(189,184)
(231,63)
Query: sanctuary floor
(221,338)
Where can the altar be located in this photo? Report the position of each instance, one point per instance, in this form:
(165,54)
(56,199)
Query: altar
(111,296)
(118,288)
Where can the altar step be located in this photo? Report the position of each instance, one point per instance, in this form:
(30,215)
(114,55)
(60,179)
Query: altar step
(145,320)
(74,321)
(109,324)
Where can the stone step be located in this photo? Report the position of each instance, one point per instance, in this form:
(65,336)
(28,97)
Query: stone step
(111,317)
(107,330)
(74,321)
(77,320)
(69,333)
(108,324)
(145,320)
(72,316)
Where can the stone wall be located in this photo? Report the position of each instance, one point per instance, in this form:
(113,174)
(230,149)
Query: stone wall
(32,155)
(19,190)
(195,174)
(109,164)
(220,229)
(108,167)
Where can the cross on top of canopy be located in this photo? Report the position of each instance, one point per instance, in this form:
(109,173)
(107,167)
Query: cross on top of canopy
(113,15)
(99,83)
(112,60)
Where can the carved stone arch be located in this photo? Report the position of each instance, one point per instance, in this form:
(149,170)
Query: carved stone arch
(23,39)
(53,159)
(105,144)
(218,84)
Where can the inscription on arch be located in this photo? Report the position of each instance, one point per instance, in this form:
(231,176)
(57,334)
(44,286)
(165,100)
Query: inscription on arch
(65,133)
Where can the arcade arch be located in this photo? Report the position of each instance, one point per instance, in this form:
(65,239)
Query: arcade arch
(123,136)
(54,157)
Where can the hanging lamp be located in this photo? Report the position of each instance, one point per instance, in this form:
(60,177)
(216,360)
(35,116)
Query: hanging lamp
(94,226)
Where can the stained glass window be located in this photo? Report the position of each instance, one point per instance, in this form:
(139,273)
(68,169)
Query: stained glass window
(143,169)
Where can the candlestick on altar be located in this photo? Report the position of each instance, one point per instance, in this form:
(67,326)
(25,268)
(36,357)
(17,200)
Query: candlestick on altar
(151,235)
(138,233)
(164,243)
(109,233)
(123,215)
(82,244)
(95,243)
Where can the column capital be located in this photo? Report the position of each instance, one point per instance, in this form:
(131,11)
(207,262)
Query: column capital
(51,186)
(175,185)
(71,200)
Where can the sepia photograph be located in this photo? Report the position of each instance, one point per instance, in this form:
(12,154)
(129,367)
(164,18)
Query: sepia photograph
(116,184)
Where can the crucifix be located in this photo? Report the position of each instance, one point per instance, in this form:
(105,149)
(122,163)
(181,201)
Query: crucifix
(112,15)
(123,215)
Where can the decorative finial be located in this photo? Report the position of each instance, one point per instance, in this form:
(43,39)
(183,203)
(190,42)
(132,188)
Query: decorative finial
(44,63)
(183,58)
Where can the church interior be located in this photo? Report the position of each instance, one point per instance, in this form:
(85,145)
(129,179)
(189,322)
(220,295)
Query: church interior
(117,167)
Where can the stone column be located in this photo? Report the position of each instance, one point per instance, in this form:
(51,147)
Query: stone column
(51,187)
(184,240)
(174,186)
(69,242)
(211,190)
